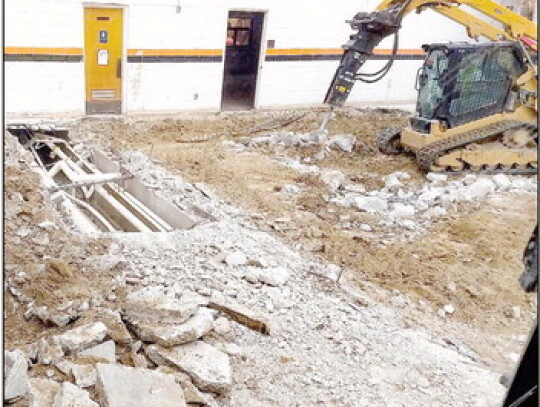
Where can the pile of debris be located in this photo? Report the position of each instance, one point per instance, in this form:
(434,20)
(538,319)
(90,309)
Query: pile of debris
(148,318)
(291,139)
(98,342)
(416,207)
(167,363)
(413,207)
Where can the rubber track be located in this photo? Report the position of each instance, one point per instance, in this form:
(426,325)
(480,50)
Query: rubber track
(385,138)
(529,277)
(427,155)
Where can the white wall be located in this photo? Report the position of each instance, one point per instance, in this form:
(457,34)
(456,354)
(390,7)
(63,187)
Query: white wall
(44,87)
(286,83)
(34,87)
(172,86)
(40,87)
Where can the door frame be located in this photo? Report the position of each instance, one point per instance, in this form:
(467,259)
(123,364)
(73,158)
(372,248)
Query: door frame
(125,9)
(262,51)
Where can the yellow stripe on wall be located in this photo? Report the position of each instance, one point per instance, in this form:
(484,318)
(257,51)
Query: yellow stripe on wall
(42,51)
(197,52)
(174,52)
(130,52)
(336,51)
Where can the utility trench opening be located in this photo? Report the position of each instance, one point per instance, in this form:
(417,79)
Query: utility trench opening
(96,194)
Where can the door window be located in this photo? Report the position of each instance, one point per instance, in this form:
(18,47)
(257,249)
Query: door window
(238,31)
(431,86)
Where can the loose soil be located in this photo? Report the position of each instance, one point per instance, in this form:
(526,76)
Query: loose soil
(471,258)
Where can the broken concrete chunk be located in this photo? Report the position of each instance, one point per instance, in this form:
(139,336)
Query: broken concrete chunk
(31,351)
(64,366)
(290,189)
(47,224)
(159,310)
(48,353)
(106,351)
(252,276)
(15,374)
(502,181)
(41,392)
(333,179)
(82,337)
(139,360)
(343,142)
(252,319)
(435,177)
(392,182)
(365,227)
(112,320)
(480,188)
(70,395)
(122,386)
(54,317)
(209,368)
(176,334)
(371,204)
(194,396)
(236,258)
(400,210)
(274,276)
(222,326)
(85,375)
(449,309)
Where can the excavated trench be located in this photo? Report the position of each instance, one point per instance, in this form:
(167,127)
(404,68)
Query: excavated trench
(94,191)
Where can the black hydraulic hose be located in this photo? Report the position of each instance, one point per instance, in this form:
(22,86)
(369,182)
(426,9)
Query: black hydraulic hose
(385,67)
(384,70)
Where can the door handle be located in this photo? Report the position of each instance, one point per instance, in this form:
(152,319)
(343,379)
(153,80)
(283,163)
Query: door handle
(119,68)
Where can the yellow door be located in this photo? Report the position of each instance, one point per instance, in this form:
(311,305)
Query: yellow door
(103,60)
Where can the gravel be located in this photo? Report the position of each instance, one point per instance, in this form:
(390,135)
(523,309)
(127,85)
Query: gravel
(324,350)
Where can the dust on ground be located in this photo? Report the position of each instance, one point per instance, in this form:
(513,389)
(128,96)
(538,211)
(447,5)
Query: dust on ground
(471,258)
(42,262)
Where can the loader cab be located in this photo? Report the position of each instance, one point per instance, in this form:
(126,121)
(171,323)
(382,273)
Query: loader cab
(459,83)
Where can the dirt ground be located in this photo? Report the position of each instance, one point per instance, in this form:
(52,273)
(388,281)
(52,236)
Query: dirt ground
(470,258)
(399,278)
(54,264)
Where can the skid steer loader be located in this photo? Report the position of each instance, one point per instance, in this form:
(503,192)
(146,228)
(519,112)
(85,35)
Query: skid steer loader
(477,103)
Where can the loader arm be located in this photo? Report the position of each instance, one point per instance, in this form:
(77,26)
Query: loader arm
(373,27)
(514,25)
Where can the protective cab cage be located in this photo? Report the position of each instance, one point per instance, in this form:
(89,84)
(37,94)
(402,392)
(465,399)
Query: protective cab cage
(475,79)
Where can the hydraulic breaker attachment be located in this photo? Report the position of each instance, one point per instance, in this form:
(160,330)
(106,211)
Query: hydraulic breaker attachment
(371,29)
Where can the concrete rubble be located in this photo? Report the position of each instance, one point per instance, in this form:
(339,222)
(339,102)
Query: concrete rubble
(120,386)
(274,276)
(208,367)
(333,179)
(15,374)
(416,207)
(400,199)
(176,333)
(168,322)
(48,353)
(194,396)
(81,338)
(42,392)
(341,142)
(249,317)
(104,351)
(85,375)
(70,395)
(187,297)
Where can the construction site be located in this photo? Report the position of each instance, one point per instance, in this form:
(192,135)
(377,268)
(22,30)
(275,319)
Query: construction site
(206,206)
